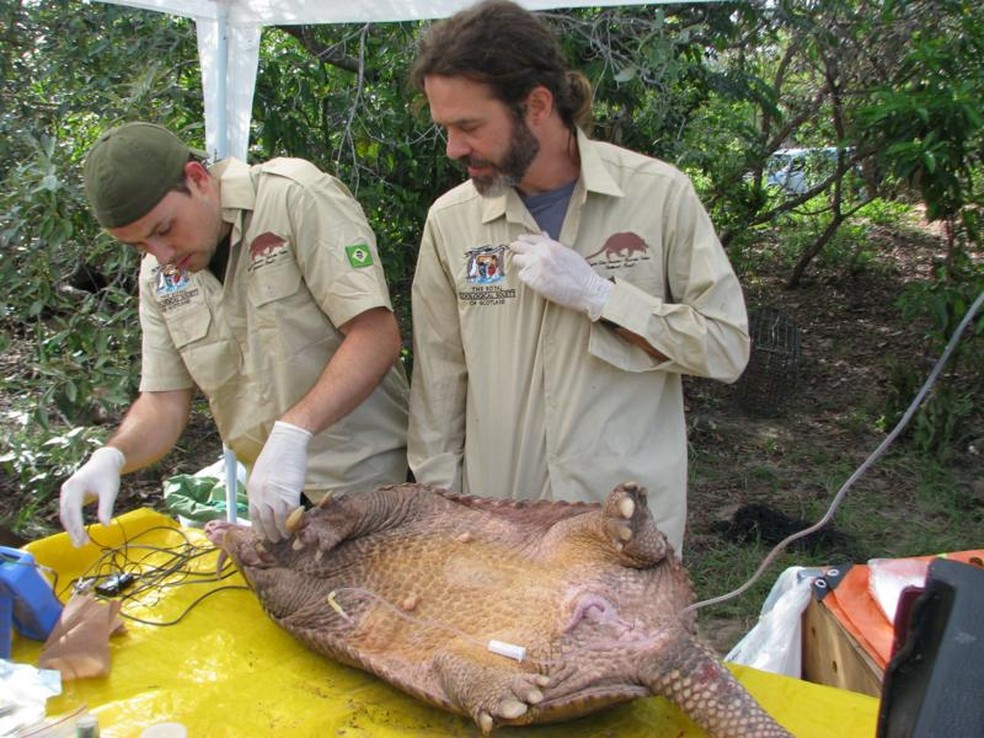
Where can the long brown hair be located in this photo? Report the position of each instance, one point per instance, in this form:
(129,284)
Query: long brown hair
(508,48)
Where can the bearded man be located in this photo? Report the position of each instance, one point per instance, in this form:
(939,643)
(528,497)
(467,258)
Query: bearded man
(562,291)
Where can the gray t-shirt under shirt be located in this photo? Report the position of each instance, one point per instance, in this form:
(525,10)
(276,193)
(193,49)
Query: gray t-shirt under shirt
(549,208)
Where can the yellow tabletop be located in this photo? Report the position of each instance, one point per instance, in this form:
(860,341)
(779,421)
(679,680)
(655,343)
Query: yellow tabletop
(224,669)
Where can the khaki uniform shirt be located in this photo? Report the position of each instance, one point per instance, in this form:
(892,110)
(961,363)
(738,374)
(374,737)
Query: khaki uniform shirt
(514,396)
(302,262)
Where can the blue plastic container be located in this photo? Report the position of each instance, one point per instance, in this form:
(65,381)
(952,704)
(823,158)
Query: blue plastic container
(6,623)
(27,602)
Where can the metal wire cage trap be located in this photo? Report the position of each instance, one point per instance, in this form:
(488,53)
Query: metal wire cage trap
(772,374)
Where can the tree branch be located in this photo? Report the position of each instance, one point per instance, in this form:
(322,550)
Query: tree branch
(331,54)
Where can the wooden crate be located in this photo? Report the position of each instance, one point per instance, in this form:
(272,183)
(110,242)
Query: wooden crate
(832,656)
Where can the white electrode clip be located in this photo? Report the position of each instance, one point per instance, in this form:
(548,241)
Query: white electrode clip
(509,650)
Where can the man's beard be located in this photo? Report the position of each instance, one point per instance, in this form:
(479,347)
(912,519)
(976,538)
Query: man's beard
(523,148)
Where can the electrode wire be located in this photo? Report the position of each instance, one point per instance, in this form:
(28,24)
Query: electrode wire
(153,569)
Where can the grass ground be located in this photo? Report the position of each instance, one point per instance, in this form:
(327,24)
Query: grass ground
(853,339)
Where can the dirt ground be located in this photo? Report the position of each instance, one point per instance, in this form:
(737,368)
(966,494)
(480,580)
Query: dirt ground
(852,335)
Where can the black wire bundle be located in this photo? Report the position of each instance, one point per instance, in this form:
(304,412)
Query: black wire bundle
(141,573)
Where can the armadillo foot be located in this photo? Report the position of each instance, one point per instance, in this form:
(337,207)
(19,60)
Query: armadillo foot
(320,538)
(630,527)
(493,694)
(255,554)
(239,543)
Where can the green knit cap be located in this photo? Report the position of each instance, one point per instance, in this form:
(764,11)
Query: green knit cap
(130,169)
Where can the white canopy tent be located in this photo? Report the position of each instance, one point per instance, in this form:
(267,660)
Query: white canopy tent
(229,44)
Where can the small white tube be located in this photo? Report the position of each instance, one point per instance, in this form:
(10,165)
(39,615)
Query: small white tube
(509,650)
(231,482)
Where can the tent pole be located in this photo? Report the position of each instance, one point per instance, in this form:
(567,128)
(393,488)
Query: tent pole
(222,88)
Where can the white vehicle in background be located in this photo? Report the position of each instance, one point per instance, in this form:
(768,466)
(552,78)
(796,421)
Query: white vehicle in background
(797,170)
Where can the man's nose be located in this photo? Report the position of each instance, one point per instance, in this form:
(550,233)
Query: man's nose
(160,249)
(456,148)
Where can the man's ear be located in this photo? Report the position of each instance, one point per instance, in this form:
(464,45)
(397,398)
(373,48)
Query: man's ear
(197,175)
(539,105)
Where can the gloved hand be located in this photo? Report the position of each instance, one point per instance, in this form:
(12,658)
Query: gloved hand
(560,274)
(276,480)
(99,479)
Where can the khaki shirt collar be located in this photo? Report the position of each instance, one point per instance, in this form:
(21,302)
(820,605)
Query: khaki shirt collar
(594,176)
(594,172)
(236,192)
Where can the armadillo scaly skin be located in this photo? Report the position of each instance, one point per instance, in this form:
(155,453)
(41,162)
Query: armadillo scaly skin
(412,583)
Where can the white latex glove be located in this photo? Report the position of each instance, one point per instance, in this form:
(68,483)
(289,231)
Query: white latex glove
(97,479)
(560,274)
(276,480)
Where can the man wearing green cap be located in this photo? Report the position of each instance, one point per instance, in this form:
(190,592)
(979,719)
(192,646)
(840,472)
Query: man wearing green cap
(261,286)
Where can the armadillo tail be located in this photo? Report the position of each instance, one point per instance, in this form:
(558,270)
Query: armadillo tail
(695,679)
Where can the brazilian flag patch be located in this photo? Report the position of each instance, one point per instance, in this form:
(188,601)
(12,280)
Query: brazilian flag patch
(359,255)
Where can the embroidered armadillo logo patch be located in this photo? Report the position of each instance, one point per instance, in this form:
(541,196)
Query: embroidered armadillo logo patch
(619,249)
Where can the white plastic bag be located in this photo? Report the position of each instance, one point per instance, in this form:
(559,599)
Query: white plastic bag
(775,643)
(888,577)
(24,690)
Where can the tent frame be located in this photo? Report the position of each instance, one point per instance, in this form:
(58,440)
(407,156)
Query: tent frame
(229,44)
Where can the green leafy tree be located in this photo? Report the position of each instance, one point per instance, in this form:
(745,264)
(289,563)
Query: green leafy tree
(68,70)
(68,284)
(924,121)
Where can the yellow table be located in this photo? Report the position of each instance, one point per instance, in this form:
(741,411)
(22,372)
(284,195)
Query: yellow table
(226,670)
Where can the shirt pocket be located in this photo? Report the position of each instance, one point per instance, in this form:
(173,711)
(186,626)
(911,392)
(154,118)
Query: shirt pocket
(211,361)
(285,319)
(274,283)
(189,326)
